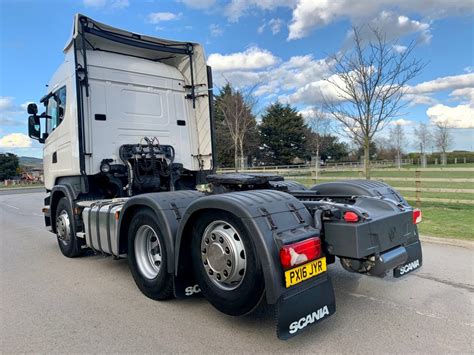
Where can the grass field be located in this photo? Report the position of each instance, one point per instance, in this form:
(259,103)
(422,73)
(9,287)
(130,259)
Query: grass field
(446,220)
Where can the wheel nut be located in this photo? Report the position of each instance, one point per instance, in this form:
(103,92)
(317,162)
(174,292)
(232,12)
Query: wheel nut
(204,251)
(221,240)
(213,236)
(227,250)
(218,276)
(226,273)
(211,272)
(229,263)
(207,240)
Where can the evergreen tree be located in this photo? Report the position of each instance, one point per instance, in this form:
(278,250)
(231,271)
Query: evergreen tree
(283,135)
(8,165)
(329,146)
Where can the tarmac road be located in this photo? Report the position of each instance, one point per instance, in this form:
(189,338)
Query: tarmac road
(53,304)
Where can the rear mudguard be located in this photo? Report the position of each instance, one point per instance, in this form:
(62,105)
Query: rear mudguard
(272,218)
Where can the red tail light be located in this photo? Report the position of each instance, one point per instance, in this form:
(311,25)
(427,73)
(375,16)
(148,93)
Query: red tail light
(300,252)
(351,217)
(417,216)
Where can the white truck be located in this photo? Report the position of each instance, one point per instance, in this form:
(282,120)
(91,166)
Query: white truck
(127,130)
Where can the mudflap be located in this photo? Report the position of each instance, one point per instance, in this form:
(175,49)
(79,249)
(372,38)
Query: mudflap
(414,261)
(302,307)
(185,286)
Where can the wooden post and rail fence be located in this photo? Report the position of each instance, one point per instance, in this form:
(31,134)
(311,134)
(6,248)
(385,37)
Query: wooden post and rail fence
(418,177)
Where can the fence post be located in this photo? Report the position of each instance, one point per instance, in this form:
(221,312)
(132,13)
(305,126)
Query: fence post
(418,188)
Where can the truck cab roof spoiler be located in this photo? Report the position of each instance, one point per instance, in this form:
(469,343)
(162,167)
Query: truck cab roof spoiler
(107,38)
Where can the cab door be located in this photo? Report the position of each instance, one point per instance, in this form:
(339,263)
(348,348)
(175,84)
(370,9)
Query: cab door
(57,153)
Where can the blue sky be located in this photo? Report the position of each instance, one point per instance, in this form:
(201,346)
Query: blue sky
(280,46)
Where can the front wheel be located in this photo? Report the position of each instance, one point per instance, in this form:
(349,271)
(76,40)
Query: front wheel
(68,243)
(226,265)
(147,257)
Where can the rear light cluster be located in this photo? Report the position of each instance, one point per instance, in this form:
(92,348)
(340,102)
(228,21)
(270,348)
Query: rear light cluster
(351,217)
(417,216)
(300,252)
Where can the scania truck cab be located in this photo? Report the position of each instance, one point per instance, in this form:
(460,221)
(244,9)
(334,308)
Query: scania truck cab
(128,135)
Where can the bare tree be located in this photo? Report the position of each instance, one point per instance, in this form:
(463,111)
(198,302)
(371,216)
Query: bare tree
(423,137)
(442,138)
(397,139)
(236,108)
(370,82)
(319,122)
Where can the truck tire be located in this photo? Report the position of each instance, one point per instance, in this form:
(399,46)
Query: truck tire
(68,243)
(225,264)
(147,257)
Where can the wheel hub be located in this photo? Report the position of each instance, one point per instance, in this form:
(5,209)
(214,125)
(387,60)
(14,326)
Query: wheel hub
(63,227)
(223,255)
(148,252)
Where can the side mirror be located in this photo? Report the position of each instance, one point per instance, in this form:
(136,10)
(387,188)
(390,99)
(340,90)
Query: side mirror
(34,126)
(32,109)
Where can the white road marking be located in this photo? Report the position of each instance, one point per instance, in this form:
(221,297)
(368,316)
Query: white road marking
(6,204)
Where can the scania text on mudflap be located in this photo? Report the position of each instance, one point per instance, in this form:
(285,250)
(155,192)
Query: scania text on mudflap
(128,138)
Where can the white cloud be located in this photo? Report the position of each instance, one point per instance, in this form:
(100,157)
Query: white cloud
(419,99)
(317,92)
(275,25)
(252,58)
(461,116)
(401,122)
(157,17)
(114,4)
(461,85)
(6,103)
(119,4)
(397,26)
(216,30)
(10,113)
(399,48)
(95,3)
(464,94)
(443,83)
(238,8)
(199,4)
(311,14)
(15,140)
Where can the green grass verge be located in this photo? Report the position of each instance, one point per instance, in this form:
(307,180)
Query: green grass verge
(447,221)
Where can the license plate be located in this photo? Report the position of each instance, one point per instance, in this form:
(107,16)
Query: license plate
(304,272)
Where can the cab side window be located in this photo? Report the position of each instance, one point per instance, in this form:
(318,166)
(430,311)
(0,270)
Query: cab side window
(56,109)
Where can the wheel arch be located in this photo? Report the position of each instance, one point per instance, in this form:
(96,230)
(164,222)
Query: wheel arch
(58,192)
(250,207)
(167,208)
